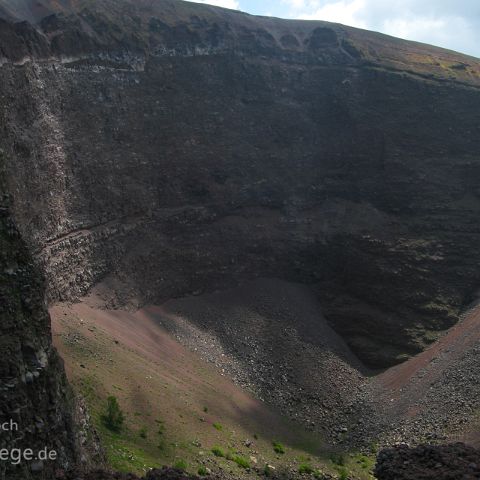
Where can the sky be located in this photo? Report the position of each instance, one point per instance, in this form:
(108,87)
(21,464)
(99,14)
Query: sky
(453,24)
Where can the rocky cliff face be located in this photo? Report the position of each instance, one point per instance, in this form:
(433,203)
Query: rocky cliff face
(164,148)
(35,403)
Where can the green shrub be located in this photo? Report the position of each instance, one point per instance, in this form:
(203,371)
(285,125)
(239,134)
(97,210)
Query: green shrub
(113,417)
(202,471)
(305,468)
(218,452)
(365,462)
(181,465)
(217,426)
(241,461)
(278,447)
(143,432)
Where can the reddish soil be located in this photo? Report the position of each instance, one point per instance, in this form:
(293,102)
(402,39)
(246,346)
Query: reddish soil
(444,352)
(158,376)
(141,334)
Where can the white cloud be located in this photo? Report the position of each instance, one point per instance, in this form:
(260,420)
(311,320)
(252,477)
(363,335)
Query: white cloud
(343,11)
(233,4)
(454,25)
(401,27)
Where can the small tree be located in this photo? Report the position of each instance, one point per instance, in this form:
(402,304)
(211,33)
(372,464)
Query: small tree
(113,417)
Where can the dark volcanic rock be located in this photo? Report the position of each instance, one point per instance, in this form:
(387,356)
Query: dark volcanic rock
(35,400)
(182,148)
(447,462)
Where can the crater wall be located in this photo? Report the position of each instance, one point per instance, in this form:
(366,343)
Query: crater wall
(184,149)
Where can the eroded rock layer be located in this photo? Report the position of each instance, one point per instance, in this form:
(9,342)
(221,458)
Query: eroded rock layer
(166,148)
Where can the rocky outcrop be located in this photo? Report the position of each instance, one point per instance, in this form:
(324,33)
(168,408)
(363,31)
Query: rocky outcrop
(36,404)
(427,462)
(184,148)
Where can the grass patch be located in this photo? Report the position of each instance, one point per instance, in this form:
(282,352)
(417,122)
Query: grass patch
(366,463)
(242,462)
(305,468)
(202,471)
(218,452)
(181,465)
(123,455)
(342,473)
(218,427)
(278,448)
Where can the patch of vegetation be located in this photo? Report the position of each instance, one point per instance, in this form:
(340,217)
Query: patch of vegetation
(181,465)
(267,470)
(218,427)
(143,432)
(202,471)
(123,455)
(205,409)
(305,468)
(113,417)
(366,463)
(278,448)
(342,473)
(218,452)
(337,459)
(88,388)
(241,461)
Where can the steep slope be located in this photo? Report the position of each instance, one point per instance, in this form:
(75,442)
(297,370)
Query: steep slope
(271,337)
(435,395)
(177,407)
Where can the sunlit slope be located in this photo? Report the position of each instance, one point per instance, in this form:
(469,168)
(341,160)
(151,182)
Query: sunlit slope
(177,408)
